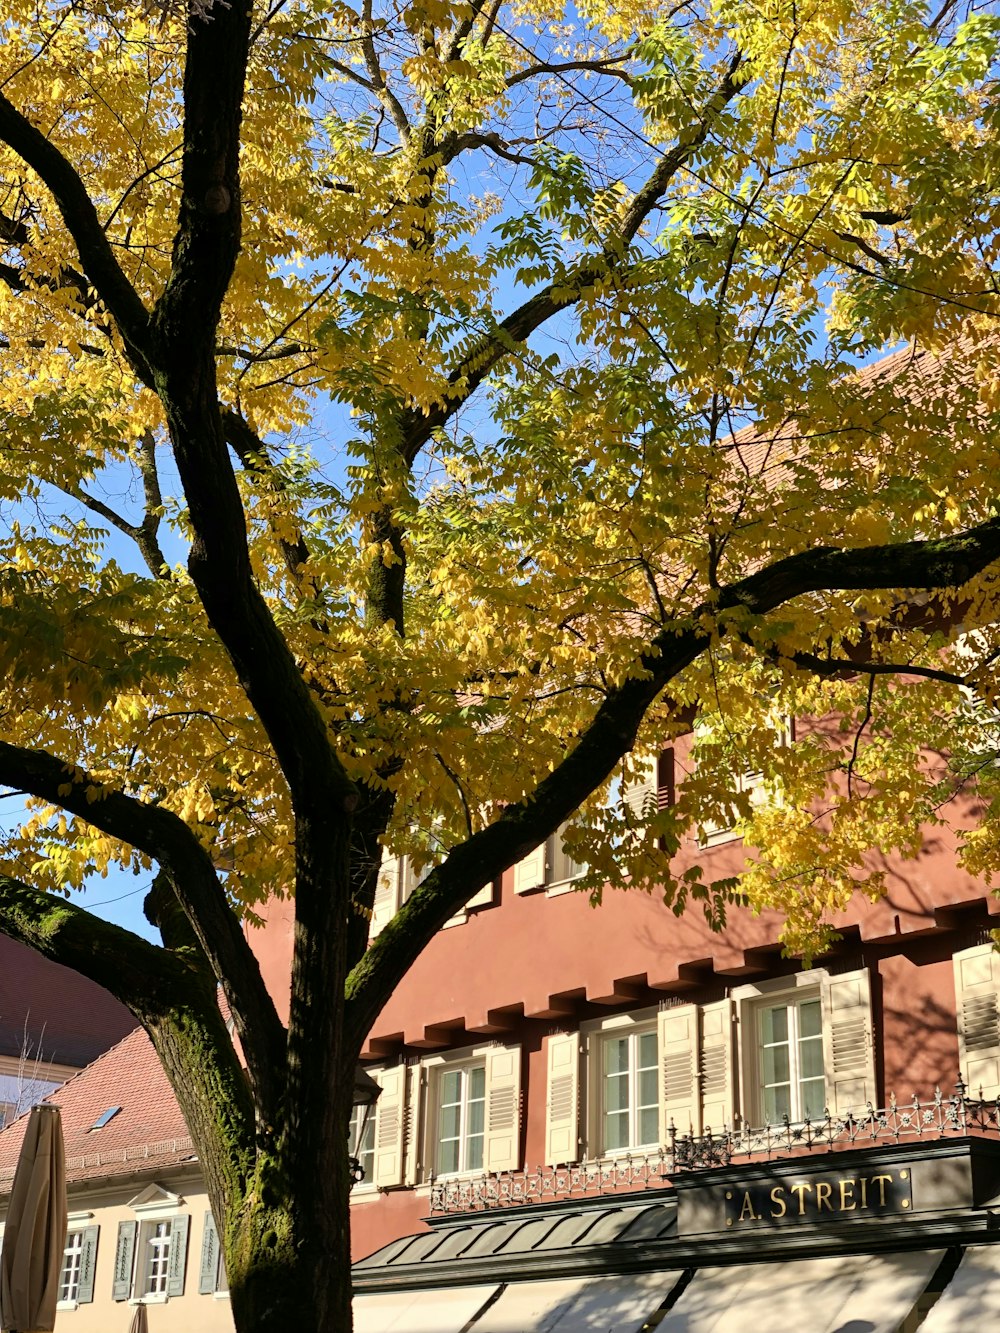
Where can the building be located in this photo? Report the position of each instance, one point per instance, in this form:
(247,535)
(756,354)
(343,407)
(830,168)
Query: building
(140,1226)
(625,1098)
(52,1022)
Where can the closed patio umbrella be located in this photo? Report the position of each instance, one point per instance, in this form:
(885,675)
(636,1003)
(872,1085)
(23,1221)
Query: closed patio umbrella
(139,1324)
(35,1233)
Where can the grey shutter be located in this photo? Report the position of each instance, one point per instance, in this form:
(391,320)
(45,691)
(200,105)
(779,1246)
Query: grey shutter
(209,1257)
(177,1262)
(88,1265)
(124,1258)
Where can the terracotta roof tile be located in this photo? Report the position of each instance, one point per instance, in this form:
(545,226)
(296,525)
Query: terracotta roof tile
(58,1015)
(147,1133)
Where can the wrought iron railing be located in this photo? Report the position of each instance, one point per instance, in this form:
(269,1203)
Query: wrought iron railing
(899,1122)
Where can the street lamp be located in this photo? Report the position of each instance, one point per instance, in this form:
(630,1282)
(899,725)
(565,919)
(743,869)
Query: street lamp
(366,1094)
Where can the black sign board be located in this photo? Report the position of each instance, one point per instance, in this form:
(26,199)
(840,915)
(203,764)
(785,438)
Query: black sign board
(830,1196)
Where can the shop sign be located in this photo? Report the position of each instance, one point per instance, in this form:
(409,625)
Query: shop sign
(833,1196)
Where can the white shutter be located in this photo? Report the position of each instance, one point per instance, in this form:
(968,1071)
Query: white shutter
(177,1258)
(530,873)
(209,1264)
(88,1265)
(677,1047)
(562,1107)
(386,894)
(415,1082)
(977,987)
(848,1042)
(484,898)
(718,1103)
(503,1095)
(390,1127)
(641,794)
(124,1256)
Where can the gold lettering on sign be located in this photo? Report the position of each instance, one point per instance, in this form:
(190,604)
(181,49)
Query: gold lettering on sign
(881,1181)
(823,1191)
(777,1202)
(864,1191)
(847,1192)
(747,1211)
(800,1190)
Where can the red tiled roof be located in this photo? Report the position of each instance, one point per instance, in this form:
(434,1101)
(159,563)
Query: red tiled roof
(147,1133)
(54,1014)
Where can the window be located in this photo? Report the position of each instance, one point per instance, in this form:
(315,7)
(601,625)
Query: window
(630,1107)
(76,1280)
(792,1082)
(69,1278)
(366,1151)
(548,866)
(461,1119)
(151,1254)
(471,1118)
(807,1046)
(156,1242)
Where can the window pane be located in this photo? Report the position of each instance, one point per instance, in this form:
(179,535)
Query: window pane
(616,1131)
(447,1156)
(774,1024)
(775,1064)
(477,1081)
(811,1057)
(616,1093)
(477,1117)
(451,1086)
(777,1103)
(616,1056)
(649,1125)
(813,1098)
(647,1050)
(647,1088)
(810,1019)
(450,1122)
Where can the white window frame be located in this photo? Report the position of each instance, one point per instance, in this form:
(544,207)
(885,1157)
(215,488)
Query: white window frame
(70,1301)
(792,1003)
(366,1186)
(465,1068)
(149,1215)
(752,1000)
(594,1033)
(152,1251)
(749,782)
(503,1100)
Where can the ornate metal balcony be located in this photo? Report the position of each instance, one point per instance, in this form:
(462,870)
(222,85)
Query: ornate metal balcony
(898,1122)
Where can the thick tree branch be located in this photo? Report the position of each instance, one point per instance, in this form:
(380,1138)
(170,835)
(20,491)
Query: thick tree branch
(80,216)
(165,838)
(947,563)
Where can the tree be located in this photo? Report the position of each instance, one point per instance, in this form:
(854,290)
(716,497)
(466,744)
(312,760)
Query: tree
(469,390)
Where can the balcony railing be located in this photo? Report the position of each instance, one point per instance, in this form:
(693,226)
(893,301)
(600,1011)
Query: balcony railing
(898,1122)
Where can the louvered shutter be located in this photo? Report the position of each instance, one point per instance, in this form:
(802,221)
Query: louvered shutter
(177,1259)
(386,894)
(530,873)
(977,987)
(677,1047)
(415,1077)
(641,795)
(562,1107)
(503,1096)
(390,1126)
(88,1265)
(209,1265)
(718,1107)
(848,1042)
(124,1258)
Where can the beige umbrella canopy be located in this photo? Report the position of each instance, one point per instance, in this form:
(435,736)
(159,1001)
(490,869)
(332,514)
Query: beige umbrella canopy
(34,1236)
(139,1324)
